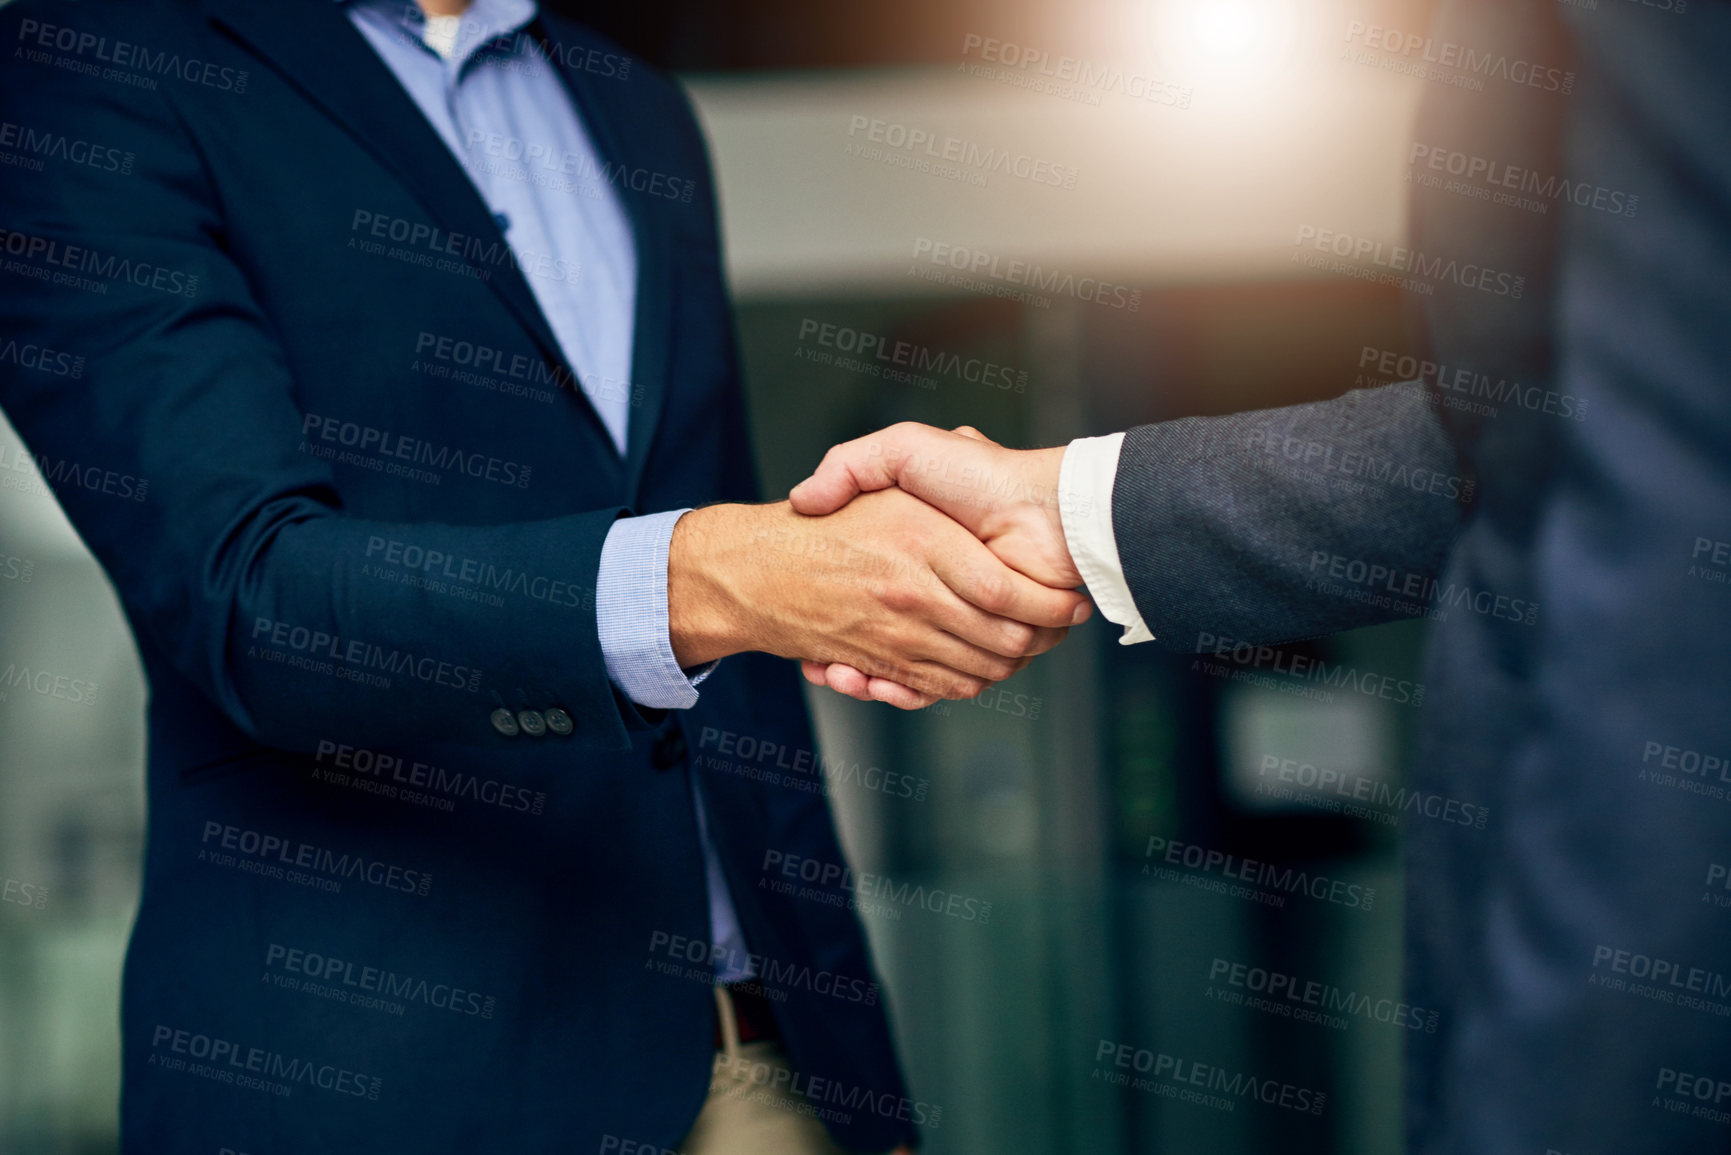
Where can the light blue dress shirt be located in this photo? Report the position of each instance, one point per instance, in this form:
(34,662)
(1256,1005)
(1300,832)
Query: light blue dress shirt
(509,121)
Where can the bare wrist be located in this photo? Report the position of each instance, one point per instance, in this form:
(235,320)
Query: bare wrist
(703,599)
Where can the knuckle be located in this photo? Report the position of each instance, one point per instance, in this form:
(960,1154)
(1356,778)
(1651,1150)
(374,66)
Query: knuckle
(1045,640)
(900,598)
(1019,639)
(994,593)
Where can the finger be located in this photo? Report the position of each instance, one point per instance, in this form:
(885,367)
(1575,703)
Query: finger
(898,695)
(859,466)
(977,630)
(844,679)
(1044,640)
(841,678)
(978,577)
(931,678)
(960,656)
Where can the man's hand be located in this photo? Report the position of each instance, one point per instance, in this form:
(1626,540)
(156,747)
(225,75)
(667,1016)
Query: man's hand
(888,585)
(1007,498)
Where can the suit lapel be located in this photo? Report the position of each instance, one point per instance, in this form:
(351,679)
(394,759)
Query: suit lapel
(652,336)
(313,45)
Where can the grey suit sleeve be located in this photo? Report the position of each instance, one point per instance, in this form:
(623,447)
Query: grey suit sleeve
(1282,524)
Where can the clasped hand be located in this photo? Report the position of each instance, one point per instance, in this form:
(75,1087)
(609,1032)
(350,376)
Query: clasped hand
(914,564)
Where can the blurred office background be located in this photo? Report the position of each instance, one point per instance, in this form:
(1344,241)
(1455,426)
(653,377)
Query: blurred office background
(1043,795)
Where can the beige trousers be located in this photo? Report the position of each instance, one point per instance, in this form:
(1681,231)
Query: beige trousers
(749,1111)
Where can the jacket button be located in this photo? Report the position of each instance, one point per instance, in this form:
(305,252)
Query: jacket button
(505,722)
(669,750)
(532,722)
(559,722)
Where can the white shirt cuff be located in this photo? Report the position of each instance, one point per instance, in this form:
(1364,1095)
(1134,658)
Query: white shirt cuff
(1085,483)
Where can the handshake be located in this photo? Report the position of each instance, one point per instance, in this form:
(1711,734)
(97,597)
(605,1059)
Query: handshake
(915,564)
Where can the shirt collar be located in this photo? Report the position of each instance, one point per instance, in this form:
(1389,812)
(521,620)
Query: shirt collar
(487,25)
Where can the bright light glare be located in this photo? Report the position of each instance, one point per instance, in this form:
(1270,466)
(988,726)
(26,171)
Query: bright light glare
(1223,28)
(1224,43)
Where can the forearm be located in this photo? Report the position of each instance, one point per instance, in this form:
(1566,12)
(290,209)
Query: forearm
(1271,526)
(381,633)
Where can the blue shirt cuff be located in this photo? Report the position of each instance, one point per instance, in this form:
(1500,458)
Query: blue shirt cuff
(631,614)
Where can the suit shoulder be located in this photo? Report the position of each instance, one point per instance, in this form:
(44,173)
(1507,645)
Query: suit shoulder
(106,52)
(61,22)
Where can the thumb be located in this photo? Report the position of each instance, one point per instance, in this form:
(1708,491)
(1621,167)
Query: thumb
(973,434)
(846,471)
(855,467)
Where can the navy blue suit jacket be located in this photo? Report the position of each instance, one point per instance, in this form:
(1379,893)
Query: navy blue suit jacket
(299,442)
(1554,489)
